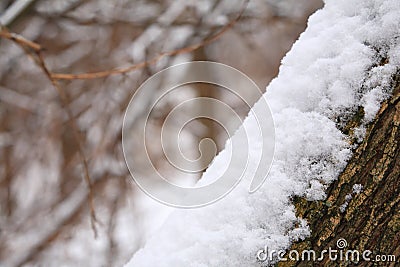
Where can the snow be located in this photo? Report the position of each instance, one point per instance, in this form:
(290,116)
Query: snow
(357,188)
(331,72)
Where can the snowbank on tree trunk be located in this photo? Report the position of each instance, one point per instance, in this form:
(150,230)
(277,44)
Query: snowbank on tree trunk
(331,71)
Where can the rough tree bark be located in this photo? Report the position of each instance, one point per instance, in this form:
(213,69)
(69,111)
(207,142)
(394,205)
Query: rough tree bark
(371,220)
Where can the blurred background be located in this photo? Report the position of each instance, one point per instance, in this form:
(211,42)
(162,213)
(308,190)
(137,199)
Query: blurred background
(45,206)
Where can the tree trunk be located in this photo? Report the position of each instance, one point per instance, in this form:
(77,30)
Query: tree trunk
(367,220)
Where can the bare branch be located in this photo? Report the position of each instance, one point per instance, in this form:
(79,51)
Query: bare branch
(106,73)
(37,56)
(4,33)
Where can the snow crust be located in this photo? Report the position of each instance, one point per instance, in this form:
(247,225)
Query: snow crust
(332,71)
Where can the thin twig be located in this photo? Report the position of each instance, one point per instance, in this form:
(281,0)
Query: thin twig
(185,50)
(34,51)
(101,74)
(64,98)
(4,33)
